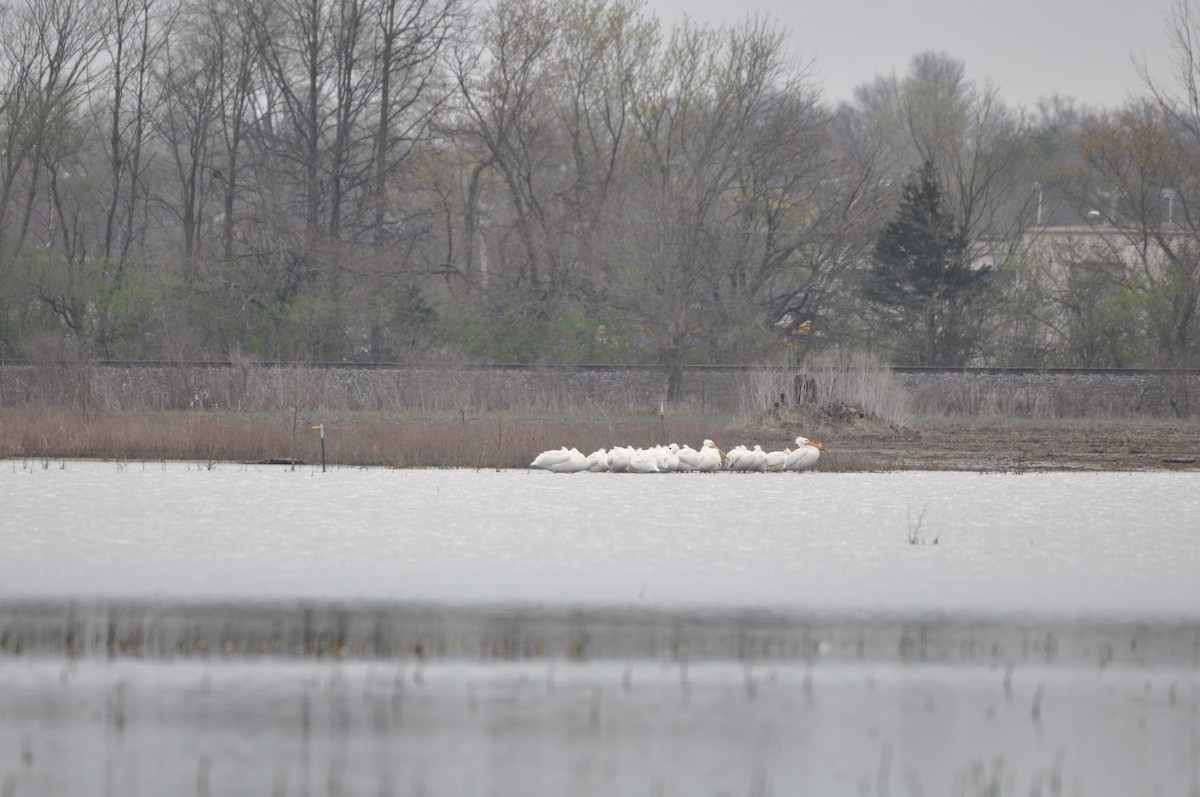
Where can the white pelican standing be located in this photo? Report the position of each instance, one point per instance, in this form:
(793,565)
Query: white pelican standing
(805,456)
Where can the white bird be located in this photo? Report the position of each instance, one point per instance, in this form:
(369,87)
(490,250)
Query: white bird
(760,459)
(753,459)
(689,458)
(735,455)
(643,462)
(709,457)
(805,456)
(666,458)
(775,459)
(553,457)
(574,463)
(598,461)
(618,459)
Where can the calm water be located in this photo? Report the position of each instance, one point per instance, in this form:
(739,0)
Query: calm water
(899,666)
(1108,543)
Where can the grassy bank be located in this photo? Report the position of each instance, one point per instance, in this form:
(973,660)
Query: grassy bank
(866,418)
(511,441)
(492,441)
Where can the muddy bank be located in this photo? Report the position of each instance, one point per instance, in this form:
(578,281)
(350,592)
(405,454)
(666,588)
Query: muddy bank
(1013,447)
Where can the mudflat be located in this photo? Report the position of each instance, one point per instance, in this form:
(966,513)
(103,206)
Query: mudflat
(1016,446)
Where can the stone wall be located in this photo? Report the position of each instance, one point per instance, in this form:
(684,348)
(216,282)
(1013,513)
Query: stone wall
(565,389)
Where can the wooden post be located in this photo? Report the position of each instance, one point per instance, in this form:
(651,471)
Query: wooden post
(321,426)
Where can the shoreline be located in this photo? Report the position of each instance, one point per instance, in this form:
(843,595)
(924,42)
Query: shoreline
(501,441)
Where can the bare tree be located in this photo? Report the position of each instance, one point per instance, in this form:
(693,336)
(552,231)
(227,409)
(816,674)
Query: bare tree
(1142,181)
(847,194)
(230,28)
(602,54)
(48,47)
(506,96)
(296,50)
(705,250)
(137,33)
(190,79)
(414,37)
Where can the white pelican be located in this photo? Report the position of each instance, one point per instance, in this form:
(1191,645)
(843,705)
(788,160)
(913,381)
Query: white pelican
(643,462)
(760,459)
(805,456)
(775,459)
(709,457)
(598,461)
(667,459)
(575,463)
(689,458)
(752,459)
(618,459)
(547,458)
(735,455)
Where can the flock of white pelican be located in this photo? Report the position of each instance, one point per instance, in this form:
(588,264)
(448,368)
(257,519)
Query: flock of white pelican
(673,458)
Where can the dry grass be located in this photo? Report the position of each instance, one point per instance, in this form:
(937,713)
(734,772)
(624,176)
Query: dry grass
(498,441)
(836,380)
(505,441)
(856,407)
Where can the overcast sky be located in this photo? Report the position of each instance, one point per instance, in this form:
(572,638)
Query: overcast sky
(1029,48)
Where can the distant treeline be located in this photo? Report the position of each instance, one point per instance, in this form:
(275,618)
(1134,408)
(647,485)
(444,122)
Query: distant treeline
(527,181)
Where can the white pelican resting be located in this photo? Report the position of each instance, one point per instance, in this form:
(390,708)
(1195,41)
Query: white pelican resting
(758,459)
(643,462)
(775,459)
(547,458)
(709,457)
(805,456)
(598,461)
(667,459)
(574,463)
(753,459)
(689,458)
(618,459)
(734,456)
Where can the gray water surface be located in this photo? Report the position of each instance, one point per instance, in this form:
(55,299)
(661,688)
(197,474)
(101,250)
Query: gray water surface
(249,630)
(1108,543)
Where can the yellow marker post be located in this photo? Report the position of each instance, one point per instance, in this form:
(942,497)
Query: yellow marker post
(321,426)
(662,419)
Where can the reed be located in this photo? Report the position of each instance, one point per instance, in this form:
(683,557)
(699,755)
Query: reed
(492,441)
(836,383)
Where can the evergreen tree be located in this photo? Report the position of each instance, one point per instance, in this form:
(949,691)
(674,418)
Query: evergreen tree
(922,282)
